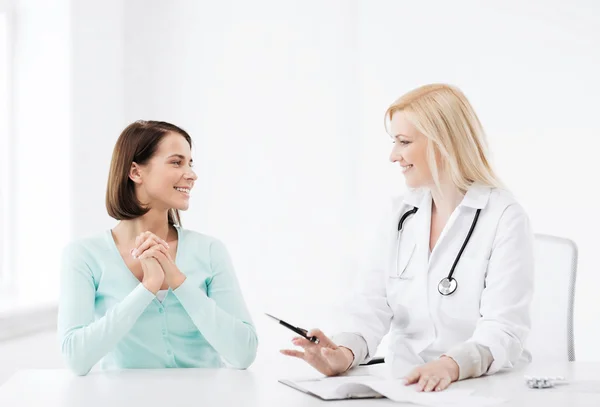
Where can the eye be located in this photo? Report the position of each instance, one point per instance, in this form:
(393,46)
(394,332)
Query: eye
(178,163)
(404,142)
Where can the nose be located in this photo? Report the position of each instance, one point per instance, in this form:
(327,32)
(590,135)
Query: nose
(395,155)
(191,175)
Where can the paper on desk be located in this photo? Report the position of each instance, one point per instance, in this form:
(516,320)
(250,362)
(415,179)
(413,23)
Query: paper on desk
(396,390)
(335,388)
(393,389)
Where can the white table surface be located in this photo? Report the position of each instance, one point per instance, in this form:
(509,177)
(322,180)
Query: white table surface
(258,387)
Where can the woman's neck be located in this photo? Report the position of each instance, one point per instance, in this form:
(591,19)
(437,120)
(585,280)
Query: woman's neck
(153,221)
(445,199)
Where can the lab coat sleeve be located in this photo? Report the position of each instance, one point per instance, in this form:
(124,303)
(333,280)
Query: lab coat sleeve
(505,303)
(355,342)
(473,360)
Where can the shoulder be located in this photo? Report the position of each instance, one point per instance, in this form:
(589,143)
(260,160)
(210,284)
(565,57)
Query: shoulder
(513,222)
(504,203)
(200,240)
(88,247)
(201,243)
(85,255)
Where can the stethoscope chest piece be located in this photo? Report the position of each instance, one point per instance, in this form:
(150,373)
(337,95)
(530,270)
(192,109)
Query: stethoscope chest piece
(447,286)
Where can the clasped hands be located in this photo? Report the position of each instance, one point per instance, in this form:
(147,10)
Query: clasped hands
(157,264)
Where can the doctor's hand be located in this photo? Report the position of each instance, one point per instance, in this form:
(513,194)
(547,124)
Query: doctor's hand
(326,356)
(436,375)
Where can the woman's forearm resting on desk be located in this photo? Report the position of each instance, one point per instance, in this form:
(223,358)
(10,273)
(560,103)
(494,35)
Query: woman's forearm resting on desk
(219,314)
(85,341)
(221,319)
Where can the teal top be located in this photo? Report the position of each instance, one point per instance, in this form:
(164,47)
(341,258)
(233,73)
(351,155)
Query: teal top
(106,314)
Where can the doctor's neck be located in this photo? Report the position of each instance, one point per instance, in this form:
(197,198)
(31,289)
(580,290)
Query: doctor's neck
(445,199)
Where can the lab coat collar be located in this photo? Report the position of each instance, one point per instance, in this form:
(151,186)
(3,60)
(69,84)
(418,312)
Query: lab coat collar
(477,196)
(414,197)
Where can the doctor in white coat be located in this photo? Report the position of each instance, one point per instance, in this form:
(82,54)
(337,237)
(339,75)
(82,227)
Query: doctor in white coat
(454,285)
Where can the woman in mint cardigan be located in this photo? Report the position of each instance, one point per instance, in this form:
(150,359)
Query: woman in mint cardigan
(148,293)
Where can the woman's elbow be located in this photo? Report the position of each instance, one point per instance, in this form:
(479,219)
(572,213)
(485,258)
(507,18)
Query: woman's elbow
(249,356)
(75,362)
(78,369)
(243,364)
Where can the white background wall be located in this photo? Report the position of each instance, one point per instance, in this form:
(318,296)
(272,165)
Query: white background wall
(265,89)
(285,103)
(39,166)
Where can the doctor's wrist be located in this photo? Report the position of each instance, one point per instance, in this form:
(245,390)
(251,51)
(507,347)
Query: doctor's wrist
(452,367)
(349,357)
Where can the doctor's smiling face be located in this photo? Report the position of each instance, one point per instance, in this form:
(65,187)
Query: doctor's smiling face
(410,151)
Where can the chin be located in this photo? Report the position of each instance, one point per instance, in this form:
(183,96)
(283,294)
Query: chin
(180,206)
(413,184)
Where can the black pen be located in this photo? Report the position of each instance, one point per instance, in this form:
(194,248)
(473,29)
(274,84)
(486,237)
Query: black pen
(300,331)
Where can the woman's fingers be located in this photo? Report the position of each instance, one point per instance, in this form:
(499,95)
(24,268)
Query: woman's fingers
(413,376)
(323,339)
(146,240)
(324,356)
(161,252)
(443,384)
(422,382)
(154,252)
(147,235)
(432,376)
(431,383)
(145,245)
(142,247)
(303,342)
(293,353)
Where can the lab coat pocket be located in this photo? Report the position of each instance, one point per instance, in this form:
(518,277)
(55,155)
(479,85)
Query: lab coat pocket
(465,302)
(399,268)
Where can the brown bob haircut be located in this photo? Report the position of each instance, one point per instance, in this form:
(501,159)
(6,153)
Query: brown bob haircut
(137,143)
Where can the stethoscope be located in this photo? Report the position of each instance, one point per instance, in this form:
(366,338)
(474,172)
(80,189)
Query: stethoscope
(448,284)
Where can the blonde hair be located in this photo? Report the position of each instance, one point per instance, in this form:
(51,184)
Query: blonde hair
(443,114)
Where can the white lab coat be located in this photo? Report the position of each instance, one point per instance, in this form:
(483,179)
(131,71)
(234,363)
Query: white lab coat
(495,282)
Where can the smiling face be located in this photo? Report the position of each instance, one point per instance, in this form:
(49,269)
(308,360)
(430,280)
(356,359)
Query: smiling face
(166,180)
(410,151)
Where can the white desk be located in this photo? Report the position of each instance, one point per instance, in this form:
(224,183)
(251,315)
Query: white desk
(224,387)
